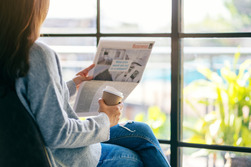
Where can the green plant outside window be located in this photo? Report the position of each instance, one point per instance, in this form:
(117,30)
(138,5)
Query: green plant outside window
(229,123)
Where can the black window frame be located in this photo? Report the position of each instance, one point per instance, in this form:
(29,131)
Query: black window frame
(176,37)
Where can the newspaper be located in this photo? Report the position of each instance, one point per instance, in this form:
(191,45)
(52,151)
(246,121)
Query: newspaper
(119,64)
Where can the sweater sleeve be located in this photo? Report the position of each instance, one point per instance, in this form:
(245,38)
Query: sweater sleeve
(71,87)
(47,97)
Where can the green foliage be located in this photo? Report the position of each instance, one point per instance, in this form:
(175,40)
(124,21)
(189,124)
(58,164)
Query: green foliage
(156,119)
(229,94)
(240,11)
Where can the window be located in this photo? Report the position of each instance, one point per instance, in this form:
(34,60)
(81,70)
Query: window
(195,92)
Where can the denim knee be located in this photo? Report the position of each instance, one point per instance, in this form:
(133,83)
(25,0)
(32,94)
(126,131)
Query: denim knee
(143,126)
(114,155)
(139,128)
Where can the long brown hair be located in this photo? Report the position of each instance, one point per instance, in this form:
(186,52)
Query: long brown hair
(20,22)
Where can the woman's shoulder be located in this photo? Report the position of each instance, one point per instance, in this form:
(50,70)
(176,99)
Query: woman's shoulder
(44,59)
(41,48)
(41,52)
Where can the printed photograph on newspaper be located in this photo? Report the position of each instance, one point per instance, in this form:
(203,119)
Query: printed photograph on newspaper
(122,61)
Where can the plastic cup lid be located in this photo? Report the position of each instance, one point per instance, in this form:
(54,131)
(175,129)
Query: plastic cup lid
(112,90)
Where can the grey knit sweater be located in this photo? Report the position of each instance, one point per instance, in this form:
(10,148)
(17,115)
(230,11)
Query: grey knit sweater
(70,142)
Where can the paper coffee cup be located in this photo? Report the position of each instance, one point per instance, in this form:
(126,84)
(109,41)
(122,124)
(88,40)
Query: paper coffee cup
(111,96)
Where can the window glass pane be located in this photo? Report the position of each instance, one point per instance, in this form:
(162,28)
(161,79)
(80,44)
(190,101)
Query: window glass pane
(217,16)
(166,150)
(217,91)
(211,158)
(130,16)
(74,16)
(150,101)
(75,53)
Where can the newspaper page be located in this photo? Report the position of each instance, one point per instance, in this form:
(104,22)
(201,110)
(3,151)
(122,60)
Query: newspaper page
(119,64)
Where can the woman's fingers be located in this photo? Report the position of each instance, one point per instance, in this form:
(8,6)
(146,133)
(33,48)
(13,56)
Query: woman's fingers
(113,112)
(90,67)
(86,78)
(83,75)
(86,70)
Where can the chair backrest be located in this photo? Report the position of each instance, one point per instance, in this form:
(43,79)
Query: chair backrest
(21,143)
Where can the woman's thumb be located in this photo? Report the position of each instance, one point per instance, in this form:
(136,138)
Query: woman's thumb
(86,78)
(101,102)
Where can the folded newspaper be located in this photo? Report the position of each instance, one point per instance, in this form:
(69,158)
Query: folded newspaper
(119,64)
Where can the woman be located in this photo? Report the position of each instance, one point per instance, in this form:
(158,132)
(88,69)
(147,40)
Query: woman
(33,70)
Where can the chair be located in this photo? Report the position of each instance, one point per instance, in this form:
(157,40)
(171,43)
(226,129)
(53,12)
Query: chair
(21,143)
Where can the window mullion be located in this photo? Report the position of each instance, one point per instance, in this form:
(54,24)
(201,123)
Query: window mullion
(98,21)
(176,75)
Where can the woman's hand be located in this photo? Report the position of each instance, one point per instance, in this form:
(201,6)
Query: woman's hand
(83,76)
(113,112)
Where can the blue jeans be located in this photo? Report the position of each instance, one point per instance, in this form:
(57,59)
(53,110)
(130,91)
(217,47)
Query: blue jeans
(134,145)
